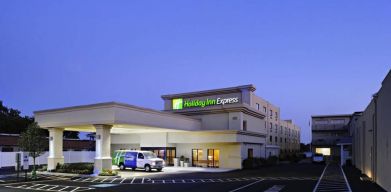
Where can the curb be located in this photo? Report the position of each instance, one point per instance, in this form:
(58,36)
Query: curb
(75,175)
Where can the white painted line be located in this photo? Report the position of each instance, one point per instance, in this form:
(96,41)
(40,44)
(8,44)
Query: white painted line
(122,180)
(78,179)
(132,180)
(2,181)
(113,180)
(242,187)
(84,180)
(320,178)
(42,187)
(55,186)
(346,180)
(104,180)
(75,189)
(95,179)
(142,181)
(31,187)
(275,188)
(63,188)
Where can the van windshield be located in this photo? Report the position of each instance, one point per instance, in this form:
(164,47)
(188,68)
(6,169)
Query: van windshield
(149,155)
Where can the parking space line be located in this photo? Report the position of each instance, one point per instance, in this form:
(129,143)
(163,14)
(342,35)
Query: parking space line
(104,180)
(95,179)
(113,180)
(132,180)
(242,187)
(63,188)
(55,186)
(275,188)
(122,180)
(75,189)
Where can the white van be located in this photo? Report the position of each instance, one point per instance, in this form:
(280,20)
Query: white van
(137,159)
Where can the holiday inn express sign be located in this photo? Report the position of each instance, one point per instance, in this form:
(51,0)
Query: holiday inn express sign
(180,103)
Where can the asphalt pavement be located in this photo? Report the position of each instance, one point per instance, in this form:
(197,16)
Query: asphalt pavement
(287,177)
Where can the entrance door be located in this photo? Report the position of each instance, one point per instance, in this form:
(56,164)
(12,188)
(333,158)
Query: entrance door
(171,154)
(213,157)
(166,153)
(196,156)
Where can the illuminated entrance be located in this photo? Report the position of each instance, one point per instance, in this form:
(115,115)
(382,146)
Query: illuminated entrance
(196,157)
(213,157)
(166,153)
(324,151)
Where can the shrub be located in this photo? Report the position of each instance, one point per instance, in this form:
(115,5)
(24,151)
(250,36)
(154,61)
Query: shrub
(252,163)
(272,160)
(78,168)
(108,172)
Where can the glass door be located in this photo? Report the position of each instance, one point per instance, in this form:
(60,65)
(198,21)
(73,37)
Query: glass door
(213,157)
(196,157)
(171,154)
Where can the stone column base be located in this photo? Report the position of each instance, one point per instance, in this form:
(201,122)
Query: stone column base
(52,162)
(102,163)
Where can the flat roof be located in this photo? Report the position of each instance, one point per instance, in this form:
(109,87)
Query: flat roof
(112,103)
(336,115)
(250,87)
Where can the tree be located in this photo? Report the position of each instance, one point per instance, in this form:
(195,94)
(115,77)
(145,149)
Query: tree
(11,121)
(33,141)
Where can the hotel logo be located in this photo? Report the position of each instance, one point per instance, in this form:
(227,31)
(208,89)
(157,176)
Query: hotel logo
(177,103)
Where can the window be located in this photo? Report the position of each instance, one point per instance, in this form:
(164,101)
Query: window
(244,125)
(257,105)
(276,139)
(271,138)
(285,140)
(250,153)
(276,116)
(271,114)
(271,127)
(264,109)
(280,139)
(140,156)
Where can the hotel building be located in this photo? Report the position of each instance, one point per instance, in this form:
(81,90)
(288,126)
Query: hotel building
(219,128)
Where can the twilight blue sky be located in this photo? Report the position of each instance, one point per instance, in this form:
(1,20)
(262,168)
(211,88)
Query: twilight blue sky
(308,57)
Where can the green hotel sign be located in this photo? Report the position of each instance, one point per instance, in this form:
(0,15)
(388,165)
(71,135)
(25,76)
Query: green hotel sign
(180,103)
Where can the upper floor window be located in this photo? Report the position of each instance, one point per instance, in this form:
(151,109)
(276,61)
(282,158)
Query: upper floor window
(276,116)
(244,125)
(264,109)
(257,105)
(271,114)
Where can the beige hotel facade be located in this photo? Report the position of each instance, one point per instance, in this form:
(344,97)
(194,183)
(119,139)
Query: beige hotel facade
(215,128)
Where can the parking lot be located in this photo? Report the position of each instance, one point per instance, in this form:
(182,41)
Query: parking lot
(289,177)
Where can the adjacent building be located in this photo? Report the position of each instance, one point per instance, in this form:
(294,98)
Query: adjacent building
(214,128)
(371,133)
(9,143)
(330,136)
(363,136)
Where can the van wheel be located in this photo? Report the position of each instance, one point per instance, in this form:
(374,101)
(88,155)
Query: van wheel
(147,168)
(133,169)
(122,166)
(160,169)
